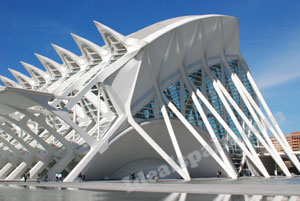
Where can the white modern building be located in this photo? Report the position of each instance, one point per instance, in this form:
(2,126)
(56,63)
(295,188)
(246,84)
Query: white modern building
(175,100)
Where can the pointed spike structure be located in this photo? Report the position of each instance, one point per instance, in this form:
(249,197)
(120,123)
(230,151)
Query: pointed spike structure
(107,32)
(62,51)
(116,42)
(23,80)
(105,29)
(39,76)
(46,61)
(8,82)
(82,41)
(32,70)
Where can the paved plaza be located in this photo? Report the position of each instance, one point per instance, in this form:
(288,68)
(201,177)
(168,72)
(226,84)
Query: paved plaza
(246,186)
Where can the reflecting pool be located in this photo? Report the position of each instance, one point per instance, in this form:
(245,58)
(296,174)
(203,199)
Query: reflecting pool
(32,193)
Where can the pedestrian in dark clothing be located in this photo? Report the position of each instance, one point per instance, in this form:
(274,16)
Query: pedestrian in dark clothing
(82,177)
(38,178)
(132,176)
(56,177)
(45,178)
(25,177)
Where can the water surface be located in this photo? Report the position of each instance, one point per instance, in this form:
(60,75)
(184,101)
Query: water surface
(25,193)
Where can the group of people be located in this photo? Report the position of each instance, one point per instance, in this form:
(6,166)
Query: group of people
(58,177)
(26,176)
(43,179)
(81,177)
(132,177)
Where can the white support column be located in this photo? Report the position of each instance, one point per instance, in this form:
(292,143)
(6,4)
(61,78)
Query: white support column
(62,163)
(227,128)
(53,127)
(36,131)
(238,85)
(74,120)
(182,103)
(23,125)
(269,147)
(258,162)
(173,197)
(257,198)
(273,120)
(8,130)
(157,148)
(148,139)
(265,106)
(82,164)
(241,131)
(167,121)
(6,169)
(223,197)
(36,168)
(65,116)
(198,137)
(285,147)
(40,165)
(293,198)
(17,172)
(41,120)
(212,133)
(243,161)
(97,148)
(10,146)
(208,126)
(210,130)
(4,160)
(32,151)
(182,197)
(175,142)
(98,112)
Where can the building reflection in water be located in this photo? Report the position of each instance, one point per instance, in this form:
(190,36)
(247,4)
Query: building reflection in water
(31,193)
(228,197)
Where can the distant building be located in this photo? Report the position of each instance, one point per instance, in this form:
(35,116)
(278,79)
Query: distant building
(295,138)
(278,146)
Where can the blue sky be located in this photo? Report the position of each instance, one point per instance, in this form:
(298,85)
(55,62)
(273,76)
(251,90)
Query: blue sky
(269,35)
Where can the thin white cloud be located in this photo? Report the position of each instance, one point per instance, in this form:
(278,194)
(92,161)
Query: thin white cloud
(286,72)
(283,66)
(280,117)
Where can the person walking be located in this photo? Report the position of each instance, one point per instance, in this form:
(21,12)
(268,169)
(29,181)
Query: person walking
(60,177)
(56,177)
(80,177)
(38,178)
(25,176)
(45,178)
(132,176)
(156,178)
